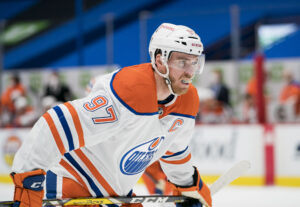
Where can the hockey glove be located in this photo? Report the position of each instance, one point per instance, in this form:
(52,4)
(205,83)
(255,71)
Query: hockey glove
(28,188)
(199,191)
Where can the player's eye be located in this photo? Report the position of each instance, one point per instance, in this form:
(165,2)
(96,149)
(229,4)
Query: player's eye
(181,63)
(194,62)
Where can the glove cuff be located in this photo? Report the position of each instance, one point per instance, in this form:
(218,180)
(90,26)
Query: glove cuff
(32,180)
(198,190)
(18,178)
(197,184)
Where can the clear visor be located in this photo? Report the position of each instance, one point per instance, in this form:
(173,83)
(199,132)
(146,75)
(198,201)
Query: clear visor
(193,65)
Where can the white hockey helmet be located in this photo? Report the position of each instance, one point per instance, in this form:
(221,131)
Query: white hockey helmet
(175,38)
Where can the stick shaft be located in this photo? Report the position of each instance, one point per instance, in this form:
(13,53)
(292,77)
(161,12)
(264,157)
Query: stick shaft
(108,200)
(233,173)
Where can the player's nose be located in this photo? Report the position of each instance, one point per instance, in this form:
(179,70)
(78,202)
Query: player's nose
(189,73)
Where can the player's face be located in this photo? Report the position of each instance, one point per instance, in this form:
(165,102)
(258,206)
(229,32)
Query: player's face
(182,70)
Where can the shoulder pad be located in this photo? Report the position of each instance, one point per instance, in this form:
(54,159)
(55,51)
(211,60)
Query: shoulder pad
(135,88)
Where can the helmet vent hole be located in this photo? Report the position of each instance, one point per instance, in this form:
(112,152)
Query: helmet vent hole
(184,43)
(193,37)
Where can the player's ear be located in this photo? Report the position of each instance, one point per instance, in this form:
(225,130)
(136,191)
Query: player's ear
(159,63)
(158,60)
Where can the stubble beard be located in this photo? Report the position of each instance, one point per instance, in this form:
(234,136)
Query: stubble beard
(176,88)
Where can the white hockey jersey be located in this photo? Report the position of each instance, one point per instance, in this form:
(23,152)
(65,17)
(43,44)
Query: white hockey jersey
(106,140)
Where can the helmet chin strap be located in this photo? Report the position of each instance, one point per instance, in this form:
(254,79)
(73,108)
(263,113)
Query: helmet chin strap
(167,79)
(165,76)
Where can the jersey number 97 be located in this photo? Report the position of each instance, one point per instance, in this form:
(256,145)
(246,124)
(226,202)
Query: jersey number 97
(100,102)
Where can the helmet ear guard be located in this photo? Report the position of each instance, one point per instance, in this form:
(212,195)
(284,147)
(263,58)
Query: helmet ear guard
(164,62)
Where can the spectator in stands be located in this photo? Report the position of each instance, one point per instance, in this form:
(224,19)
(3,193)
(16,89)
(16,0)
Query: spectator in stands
(251,88)
(47,103)
(249,109)
(25,115)
(290,96)
(222,94)
(60,91)
(13,91)
(210,110)
(214,101)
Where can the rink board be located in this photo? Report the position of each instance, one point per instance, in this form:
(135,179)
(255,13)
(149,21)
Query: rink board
(215,149)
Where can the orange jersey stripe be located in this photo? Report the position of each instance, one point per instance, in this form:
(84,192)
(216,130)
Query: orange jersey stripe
(73,172)
(182,161)
(55,133)
(169,153)
(77,123)
(95,172)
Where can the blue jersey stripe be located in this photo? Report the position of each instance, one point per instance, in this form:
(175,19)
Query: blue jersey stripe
(126,105)
(175,154)
(51,183)
(183,115)
(65,126)
(79,168)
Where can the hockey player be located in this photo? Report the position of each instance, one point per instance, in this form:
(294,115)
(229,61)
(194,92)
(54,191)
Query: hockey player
(100,145)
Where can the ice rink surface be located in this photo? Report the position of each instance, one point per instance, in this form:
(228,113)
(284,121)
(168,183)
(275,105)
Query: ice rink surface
(236,196)
(230,196)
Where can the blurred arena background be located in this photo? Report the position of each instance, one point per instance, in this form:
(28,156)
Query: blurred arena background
(249,92)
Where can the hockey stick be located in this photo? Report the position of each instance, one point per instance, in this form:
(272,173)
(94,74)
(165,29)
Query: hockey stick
(233,173)
(236,171)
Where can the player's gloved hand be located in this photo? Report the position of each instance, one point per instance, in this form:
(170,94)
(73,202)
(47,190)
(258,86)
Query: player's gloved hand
(198,190)
(28,188)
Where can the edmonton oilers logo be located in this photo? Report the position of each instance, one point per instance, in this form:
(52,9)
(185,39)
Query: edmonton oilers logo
(137,159)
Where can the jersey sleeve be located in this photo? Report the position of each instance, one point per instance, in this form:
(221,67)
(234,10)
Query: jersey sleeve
(37,151)
(67,127)
(177,161)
